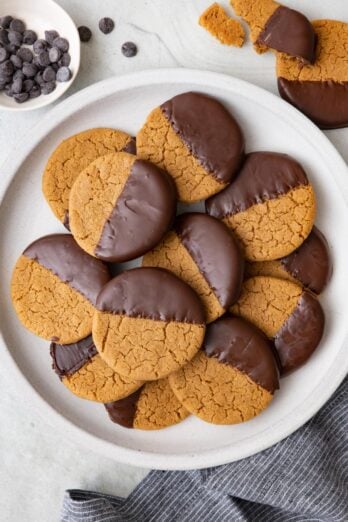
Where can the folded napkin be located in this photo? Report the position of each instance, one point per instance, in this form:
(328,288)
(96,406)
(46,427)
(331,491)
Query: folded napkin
(303,478)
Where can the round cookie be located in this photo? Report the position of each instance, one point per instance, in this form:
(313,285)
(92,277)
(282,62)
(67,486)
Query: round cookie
(148,323)
(320,91)
(84,373)
(275,26)
(54,288)
(71,157)
(310,265)
(270,206)
(286,313)
(202,252)
(233,378)
(195,139)
(120,207)
(153,407)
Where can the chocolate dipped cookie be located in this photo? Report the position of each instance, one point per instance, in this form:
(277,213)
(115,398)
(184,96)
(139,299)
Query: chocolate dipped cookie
(148,323)
(196,140)
(203,252)
(120,207)
(54,288)
(233,378)
(270,206)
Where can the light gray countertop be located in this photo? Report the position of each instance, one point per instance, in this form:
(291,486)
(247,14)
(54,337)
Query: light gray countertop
(37,463)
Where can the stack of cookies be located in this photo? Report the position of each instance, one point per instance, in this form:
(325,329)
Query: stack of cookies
(221,304)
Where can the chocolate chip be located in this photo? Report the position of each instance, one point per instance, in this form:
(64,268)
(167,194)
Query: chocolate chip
(29,70)
(85,33)
(5,21)
(35,92)
(18,74)
(106,25)
(3,54)
(2,86)
(8,91)
(39,46)
(17,86)
(61,43)
(50,36)
(25,54)
(54,54)
(4,37)
(55,66)
(12,48)
(22,97)
(65,60)
(44,59)
(28,85)
(48,87)
(17,26)
(63,74)
(15,37)
(29,37)
(17,61)
(49,74)
(129,49)
(6,68)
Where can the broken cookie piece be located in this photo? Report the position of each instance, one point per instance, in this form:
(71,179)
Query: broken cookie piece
(219,24)
(274,26)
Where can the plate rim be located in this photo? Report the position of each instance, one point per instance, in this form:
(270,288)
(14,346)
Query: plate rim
(339,366)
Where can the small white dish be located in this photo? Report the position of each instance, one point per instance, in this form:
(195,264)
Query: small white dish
(123,102)
(40,16)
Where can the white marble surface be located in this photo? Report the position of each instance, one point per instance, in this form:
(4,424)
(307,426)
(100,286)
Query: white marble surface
(37,463)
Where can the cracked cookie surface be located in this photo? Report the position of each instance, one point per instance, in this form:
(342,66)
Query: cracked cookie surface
(86,374)
(120,207)
(153,407)
(227,30)
(205,255)
(320,90)
(195,139)
(148,323)
(270,206)
(71,157)
(287,314)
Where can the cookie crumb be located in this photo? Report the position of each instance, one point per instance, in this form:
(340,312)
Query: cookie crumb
(219,24)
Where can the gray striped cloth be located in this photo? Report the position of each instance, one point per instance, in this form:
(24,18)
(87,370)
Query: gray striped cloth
(303,478)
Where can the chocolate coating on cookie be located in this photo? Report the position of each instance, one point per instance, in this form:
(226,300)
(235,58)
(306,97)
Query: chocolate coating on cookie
(324,102)
(60,254)
(234,341)
(151,293)
(264,176)
(69,358)
(131,147)
(310,264)
(209,131)
(216,253)
(143,213)
(290,32)
(123,411)
(301,333)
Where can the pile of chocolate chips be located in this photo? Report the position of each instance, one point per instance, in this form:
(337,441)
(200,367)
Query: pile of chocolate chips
(30,66)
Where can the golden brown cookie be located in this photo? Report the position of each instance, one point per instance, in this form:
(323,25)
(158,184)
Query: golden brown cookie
(234,376)
(286,313)
(320,91)
(275,26)
(84,373)
(228,31)
(153,407)
(54,288)
(270,206)
(202,252)
(148,323)
(195,139)
(71,157)
(310,265)
(120,207)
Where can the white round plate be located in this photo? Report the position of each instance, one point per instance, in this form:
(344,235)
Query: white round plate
(40,16)
(268,123)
